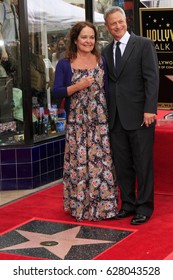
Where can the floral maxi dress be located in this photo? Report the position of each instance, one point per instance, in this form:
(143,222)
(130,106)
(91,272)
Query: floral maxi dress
(89,188)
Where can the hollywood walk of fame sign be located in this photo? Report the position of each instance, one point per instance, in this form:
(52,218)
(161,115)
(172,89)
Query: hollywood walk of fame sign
(157,24)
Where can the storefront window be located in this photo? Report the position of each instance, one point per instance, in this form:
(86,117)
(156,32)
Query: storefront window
(11,108)
(49,25)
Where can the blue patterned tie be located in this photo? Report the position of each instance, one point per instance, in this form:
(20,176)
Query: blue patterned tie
(117,58)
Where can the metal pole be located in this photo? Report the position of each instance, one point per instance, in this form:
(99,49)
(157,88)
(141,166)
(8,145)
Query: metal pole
(89,10)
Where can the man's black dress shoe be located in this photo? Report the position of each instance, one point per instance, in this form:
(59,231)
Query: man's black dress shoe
(139,219)
(123,214)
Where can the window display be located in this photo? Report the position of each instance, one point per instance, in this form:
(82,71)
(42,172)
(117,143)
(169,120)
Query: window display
(10,74)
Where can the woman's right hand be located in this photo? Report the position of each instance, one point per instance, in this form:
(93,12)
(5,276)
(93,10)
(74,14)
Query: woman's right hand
(82,84)
(85,82)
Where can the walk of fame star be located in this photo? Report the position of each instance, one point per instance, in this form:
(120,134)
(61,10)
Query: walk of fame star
(59,241)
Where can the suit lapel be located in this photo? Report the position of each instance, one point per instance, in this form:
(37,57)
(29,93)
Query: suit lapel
(128,50)
(110,59)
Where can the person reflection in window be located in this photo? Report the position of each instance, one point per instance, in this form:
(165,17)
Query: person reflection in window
(9,37)
(60,49)
(8,27)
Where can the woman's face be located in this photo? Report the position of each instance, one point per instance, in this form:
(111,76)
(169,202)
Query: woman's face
(61,46)
(86,40)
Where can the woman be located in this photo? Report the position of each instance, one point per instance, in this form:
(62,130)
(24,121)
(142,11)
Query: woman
(58,54)
(89,189)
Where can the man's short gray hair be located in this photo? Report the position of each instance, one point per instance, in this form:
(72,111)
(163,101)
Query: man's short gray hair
(112,10)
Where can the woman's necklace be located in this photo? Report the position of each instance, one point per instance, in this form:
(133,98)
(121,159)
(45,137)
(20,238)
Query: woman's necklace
(88,61)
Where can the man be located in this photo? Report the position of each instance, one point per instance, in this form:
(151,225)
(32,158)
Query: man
(133,95)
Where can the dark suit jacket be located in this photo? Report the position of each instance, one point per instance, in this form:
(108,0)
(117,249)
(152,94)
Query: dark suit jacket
(135,90)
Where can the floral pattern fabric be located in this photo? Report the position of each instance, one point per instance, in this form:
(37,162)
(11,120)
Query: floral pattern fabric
(90,191)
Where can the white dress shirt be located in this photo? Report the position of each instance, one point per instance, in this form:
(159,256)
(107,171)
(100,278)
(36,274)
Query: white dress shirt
(123,41)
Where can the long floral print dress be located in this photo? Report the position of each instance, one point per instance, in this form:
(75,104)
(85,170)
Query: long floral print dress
(89,188)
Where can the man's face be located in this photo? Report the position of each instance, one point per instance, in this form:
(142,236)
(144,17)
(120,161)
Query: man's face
(116,24)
